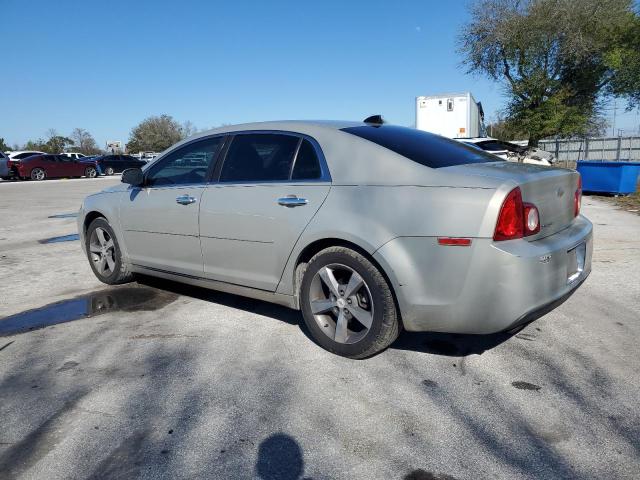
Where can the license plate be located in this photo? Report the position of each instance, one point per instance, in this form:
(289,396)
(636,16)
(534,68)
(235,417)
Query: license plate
(575,262)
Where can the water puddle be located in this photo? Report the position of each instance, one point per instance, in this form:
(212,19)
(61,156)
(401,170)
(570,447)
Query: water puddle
(64,215)
(63,238)
(125,299)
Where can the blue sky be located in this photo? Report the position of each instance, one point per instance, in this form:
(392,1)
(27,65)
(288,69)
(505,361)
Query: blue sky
(105,66)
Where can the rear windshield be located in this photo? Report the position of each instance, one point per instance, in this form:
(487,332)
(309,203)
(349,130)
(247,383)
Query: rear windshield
(424,148)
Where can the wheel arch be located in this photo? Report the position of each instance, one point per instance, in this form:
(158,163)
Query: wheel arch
(318,245)
(90,217)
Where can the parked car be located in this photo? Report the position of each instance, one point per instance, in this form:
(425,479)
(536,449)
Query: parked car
(512,151)
(367,228)
(5,170)
(74,155)
(110,164)
(22,154)
(40,167)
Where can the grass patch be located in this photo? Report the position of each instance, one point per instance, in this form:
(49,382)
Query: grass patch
(630,203)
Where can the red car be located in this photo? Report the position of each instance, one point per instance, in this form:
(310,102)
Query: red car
(39,167)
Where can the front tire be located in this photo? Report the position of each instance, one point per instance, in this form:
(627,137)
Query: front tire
(90,172)
(105,256)
(347,304)
(109,171)
(38,174)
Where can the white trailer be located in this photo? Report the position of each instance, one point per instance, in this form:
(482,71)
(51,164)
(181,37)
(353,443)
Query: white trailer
(453,115)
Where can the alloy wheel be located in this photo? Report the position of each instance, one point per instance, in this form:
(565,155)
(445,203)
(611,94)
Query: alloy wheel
(109,171)
(102,250)
(90,172)
(341,303)
(38,174)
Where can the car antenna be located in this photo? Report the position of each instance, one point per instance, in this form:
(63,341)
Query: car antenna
(374,120)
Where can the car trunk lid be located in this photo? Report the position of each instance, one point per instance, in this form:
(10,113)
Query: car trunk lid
(551,190)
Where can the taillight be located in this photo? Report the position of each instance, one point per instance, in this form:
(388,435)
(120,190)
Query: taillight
(516,219)
(531,220)
(511,218)
(577,197)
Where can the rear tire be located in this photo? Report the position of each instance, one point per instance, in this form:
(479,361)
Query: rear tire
(108,171)
(104,254)
(357,316)
(90,172)
(38,174)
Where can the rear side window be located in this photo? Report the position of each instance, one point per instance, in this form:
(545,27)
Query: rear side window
(424,148)
(259,157)
(307,166)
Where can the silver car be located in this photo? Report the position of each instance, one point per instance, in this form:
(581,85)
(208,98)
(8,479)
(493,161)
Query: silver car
(365,227)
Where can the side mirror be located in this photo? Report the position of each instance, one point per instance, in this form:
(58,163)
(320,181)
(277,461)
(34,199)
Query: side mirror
(133,176)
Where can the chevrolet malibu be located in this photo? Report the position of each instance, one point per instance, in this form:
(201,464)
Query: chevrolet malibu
(365,227)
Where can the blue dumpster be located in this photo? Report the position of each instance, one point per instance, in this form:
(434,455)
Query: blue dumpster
(609,177)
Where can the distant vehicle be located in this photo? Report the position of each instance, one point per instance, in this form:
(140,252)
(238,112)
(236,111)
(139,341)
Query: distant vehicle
(512,151)
(74,155)
(148,156)
(22,154)
(453,115)
(367,228)
(39,167)
(5,169)
(110,164)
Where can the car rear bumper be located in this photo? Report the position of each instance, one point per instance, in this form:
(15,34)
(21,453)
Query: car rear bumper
(489,286)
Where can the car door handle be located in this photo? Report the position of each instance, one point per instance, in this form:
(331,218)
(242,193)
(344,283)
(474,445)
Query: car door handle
(292,201)
(185,200)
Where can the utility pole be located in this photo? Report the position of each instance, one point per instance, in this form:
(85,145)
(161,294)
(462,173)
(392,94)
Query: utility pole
(613,126)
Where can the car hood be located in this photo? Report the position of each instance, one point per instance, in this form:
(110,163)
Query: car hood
(121,187)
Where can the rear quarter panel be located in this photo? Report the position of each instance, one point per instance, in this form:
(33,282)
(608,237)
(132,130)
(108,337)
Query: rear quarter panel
(371,216)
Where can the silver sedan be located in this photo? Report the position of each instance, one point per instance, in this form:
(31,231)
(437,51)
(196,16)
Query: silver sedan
(365,227)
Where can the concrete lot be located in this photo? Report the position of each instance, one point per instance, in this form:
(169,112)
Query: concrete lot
(165,381)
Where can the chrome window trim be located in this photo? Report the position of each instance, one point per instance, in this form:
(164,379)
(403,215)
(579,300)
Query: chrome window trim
(207,178)
(325,175)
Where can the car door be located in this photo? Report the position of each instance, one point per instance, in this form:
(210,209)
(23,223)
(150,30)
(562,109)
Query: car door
(160,219)
(67,166)
(51,165)
(270,186)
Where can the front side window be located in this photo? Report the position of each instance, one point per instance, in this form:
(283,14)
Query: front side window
(424,148)
(259,157)
(177,168)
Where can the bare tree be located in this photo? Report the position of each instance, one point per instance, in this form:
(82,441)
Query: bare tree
(84,141)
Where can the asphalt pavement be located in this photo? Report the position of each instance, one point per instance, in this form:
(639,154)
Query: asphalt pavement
(158,380)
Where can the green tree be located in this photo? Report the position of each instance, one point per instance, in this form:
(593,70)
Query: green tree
(3,145)
(556,59)
(56,143)
(154,134)
(38,145)
(84,142)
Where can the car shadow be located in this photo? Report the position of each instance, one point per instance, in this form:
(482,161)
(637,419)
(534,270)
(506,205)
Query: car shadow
(260,307)
(447,344)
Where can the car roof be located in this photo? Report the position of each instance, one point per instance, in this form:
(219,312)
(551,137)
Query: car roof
(284,125)
(18,152)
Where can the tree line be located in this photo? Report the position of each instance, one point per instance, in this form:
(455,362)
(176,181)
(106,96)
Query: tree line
(80,139)
(153,134)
